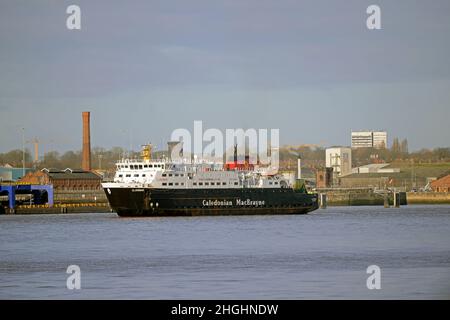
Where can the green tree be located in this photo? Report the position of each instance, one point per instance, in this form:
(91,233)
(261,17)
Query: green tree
(15,158)
(404,146)
(71,159)
(395,146)
(51,160)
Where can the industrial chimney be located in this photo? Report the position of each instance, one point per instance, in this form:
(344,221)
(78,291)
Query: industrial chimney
(86,160)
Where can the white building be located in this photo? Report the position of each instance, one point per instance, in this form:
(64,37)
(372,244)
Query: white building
(379,139)
(375,168)
(340,159)
(369,139)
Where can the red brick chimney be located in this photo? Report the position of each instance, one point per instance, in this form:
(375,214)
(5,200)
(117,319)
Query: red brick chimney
(86,159)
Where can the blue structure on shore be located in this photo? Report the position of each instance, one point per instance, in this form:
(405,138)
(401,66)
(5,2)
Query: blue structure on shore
(9,173)
(41,193)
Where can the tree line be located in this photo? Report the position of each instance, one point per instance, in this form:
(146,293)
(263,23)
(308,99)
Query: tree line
(105,159)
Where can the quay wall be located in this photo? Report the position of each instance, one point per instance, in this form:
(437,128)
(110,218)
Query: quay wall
(428,197)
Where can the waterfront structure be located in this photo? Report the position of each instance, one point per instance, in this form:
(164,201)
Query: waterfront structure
(65,180)
(369,139)
(324,178)
(372,180)
(163,187)
(9,173)
(40,194)
(376,168)
(441,185)
(340,159)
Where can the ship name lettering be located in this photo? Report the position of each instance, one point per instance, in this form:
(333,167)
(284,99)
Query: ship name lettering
(249,202)
(216,203)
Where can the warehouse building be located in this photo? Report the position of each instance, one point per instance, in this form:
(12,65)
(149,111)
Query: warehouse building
(65,180)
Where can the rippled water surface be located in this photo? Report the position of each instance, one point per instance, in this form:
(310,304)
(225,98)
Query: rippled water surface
(321,255)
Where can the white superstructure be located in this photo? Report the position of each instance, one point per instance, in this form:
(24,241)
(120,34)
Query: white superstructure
(202,175)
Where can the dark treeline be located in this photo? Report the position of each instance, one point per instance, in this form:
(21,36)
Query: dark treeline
(363,156)
(100,158)
(105,159)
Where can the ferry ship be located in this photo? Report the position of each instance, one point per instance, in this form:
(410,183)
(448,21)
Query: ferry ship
(148,187)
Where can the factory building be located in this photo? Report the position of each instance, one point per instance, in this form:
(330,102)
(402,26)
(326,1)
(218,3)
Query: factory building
(369,139)
(340,159)
(65,180)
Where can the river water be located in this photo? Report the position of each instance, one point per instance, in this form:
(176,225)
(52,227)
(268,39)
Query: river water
(322,255)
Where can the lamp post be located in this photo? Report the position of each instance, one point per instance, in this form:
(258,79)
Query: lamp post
(100,156)
(23,152)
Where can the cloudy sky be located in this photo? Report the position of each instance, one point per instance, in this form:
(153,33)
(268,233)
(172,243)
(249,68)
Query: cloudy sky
(144,68)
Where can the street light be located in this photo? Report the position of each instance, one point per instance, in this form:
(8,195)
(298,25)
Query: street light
(100,156)
(23,152)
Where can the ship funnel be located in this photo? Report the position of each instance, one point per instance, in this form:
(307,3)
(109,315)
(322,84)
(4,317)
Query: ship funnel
(146,152)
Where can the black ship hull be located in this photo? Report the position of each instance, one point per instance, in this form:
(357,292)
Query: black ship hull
(137,202)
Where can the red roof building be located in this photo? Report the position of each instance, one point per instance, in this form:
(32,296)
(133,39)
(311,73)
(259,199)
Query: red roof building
(441,185)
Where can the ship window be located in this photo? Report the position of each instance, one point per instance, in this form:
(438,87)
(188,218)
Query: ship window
(145,166)
(270,182)
(195,183)
(200,183)
(170,184)
(176,175)
(224,183)
(120,175)
(212,183)
(170,175)
(181,175)
(164,184)
(276,182)
(128,175)
(182,183)
(143,175)
(164,175)
(150,166)
(140,166)
(176,183)
(136,175)
(235,183)
(206,183)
